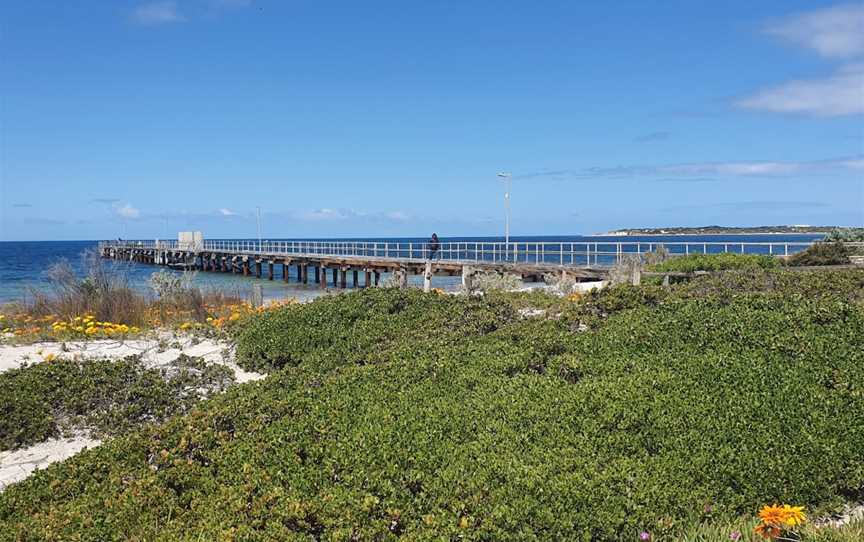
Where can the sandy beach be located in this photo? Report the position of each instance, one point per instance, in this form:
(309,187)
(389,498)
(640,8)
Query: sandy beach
(157,350)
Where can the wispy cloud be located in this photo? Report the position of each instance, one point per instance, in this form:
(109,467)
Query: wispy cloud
(326,214)
(330,214)
(126,211)
(838,95)
(231,4)
(22,205)
(686,180)
(157,13)
(227,212)
(703,171)
(108,201)
(836,31)
(653,136)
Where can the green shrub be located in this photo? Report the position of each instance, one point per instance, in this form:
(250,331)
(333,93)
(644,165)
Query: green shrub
(45,400)
(832,253)
(366,327)
(473,425)
(847,235)
(716,262)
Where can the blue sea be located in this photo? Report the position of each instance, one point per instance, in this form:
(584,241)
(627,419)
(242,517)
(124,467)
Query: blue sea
(23,265)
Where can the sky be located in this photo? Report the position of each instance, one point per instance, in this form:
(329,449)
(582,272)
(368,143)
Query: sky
(138,119)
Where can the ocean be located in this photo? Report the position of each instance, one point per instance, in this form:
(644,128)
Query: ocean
(24,264)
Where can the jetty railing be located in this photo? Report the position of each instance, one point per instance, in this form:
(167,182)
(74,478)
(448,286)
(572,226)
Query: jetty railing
(576,253)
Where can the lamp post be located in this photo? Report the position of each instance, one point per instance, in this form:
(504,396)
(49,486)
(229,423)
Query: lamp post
(258,211)
(507,178)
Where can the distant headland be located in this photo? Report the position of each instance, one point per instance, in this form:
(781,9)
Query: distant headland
(723,230)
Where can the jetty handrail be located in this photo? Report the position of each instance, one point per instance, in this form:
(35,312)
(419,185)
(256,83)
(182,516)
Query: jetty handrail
(565,253)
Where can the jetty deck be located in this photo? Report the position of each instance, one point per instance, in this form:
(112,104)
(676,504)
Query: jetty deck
(333,262)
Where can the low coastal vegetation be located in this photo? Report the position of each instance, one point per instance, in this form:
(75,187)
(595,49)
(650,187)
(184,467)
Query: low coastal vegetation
(101,397)
(102,305)
(822,253)
(635,412)
(715,262)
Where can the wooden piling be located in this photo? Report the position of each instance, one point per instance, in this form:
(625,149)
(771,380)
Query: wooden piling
(270,270)
(368,281)
(427,277)
(356,281)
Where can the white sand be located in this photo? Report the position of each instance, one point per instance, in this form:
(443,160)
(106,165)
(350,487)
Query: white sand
(19,464)
(152,353)
(156,351)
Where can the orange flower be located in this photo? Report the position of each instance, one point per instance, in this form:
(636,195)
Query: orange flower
(772,515)
(769,532)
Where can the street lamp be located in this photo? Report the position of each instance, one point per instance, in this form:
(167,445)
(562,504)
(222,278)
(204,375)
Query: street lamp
(258,212)
(507,178)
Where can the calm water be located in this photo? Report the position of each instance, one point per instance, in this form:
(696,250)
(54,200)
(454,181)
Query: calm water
(23,264)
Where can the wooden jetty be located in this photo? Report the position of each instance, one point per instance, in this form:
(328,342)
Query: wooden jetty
(341,264)
(362,263)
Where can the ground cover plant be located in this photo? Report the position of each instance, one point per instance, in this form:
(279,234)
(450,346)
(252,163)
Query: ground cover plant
(634,412)
(715,262)
(103,397)
(822,253)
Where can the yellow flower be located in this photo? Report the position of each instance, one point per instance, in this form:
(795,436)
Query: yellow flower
(49,357)
(793,515)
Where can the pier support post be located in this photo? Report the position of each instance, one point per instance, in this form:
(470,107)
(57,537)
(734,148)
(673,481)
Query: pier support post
(467,278)
(368,281)
(401,276)
(322,275)
(377,278)
(427,277)
(356,281)
(636,275)
(286,270)
(258,268)
(317,273)
(343,278)
(304,272)
(270,270)
(335,277)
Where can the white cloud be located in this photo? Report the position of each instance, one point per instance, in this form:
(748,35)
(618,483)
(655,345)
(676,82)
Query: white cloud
(838,95)
(397,216)
(126,211)
(227,212)
(832,32)
(156,13)
(327,214)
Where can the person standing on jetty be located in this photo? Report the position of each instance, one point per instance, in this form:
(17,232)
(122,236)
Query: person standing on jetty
(434,245)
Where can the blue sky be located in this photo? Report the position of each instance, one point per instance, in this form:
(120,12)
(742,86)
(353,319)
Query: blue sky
(346,119)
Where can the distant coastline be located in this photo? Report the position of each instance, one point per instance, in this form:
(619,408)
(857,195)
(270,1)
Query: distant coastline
(724,230)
